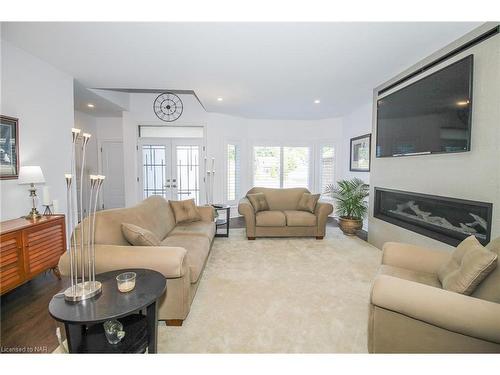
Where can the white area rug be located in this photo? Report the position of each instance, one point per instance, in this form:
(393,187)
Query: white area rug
(290,295)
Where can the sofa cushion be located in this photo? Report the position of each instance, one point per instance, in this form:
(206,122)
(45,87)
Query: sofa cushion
(456,257)
(185,211)
(300,218)
(197,249)
(197,228)
(489,289)
(470,263)
(270,219)
(308,202)
(138,236)
(258,201)
(410,275)
(153,214)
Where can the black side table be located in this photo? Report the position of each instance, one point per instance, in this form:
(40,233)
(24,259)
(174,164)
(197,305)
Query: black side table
(83,320)
(224,222)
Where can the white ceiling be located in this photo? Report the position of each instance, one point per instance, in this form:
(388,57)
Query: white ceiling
(102,107)
(262,70)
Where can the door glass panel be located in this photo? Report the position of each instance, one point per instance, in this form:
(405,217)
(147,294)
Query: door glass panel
(154,159)
(188,163)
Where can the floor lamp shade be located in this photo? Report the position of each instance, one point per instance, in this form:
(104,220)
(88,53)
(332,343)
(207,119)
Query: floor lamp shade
(31,174)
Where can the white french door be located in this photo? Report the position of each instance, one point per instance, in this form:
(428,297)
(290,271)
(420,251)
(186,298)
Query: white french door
(170,168)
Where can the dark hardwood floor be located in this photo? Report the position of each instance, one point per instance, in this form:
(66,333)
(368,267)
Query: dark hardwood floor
(25,323)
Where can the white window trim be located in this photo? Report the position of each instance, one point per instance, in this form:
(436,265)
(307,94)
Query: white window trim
(267,143)
(336,168)
(239,144)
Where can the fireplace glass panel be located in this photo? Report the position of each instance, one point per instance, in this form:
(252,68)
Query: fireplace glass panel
(446,219)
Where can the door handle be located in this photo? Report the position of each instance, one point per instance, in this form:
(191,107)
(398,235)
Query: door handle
(174,186)
(167,186)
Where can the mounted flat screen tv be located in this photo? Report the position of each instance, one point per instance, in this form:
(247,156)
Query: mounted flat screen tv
(431,115)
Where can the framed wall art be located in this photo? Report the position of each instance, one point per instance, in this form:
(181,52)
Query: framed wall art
(9,147)
(360,153)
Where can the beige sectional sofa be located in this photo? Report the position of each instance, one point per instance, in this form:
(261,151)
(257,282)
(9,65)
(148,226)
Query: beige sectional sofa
(283,219)
(181,257)
(410,312)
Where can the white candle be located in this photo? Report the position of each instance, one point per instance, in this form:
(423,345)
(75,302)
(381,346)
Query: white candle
(126,286)
(46,196)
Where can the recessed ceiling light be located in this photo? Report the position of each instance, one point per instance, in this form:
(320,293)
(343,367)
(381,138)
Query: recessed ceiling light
(220,99)
(90,105)
(317,101)
(463,103)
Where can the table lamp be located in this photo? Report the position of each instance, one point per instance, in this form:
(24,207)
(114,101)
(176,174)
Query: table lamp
(31,175)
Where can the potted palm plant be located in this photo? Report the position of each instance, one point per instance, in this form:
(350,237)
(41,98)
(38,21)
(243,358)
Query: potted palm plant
(351,207)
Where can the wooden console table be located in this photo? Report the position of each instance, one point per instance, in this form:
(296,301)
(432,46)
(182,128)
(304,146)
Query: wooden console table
(30,247)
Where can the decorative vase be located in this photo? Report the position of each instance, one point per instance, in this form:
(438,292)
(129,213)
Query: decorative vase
(350,226)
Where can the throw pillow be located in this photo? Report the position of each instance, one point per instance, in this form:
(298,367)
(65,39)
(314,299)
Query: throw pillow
(470,263)
(138,236)
(308,202)
(185,211)
(258,201)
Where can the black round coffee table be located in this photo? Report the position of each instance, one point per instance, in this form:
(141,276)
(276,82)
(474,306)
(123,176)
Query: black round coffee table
(82,320)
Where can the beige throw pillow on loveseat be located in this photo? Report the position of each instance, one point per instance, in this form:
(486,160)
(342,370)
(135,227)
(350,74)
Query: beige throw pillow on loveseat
(258,201)
(185,211)
(138,236)
(470,263)
(308,202)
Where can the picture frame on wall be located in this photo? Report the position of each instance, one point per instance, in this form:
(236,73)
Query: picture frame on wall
(9,147)
(360,155)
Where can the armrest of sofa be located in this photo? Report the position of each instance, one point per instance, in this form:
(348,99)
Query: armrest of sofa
(451,311)
(206,213)
(322,211)
(413,257)
(246,209)
(169,261)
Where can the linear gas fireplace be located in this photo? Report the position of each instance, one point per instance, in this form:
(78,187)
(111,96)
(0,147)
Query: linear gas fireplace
(445,219)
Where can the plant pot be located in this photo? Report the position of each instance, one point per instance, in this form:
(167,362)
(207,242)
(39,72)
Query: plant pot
(350,226)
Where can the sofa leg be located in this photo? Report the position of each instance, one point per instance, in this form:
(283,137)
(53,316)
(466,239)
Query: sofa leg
(251,238)
(174,322)
(319,237)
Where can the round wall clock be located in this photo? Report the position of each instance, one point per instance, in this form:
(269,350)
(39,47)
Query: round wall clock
(168,107)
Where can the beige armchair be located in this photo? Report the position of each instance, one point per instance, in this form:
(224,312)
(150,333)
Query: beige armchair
(283,219)
(411,313)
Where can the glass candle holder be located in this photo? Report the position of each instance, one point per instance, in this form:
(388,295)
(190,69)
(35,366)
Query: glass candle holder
(126,281)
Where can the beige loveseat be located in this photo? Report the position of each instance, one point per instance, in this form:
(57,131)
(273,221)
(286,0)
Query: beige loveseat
(180,258)
(283,219)
(411,313)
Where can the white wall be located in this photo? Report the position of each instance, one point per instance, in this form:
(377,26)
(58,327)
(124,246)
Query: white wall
(42,98)
(355,124)
(109,129)
(48,86)
(219,130)
(473,175)
(224,128)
